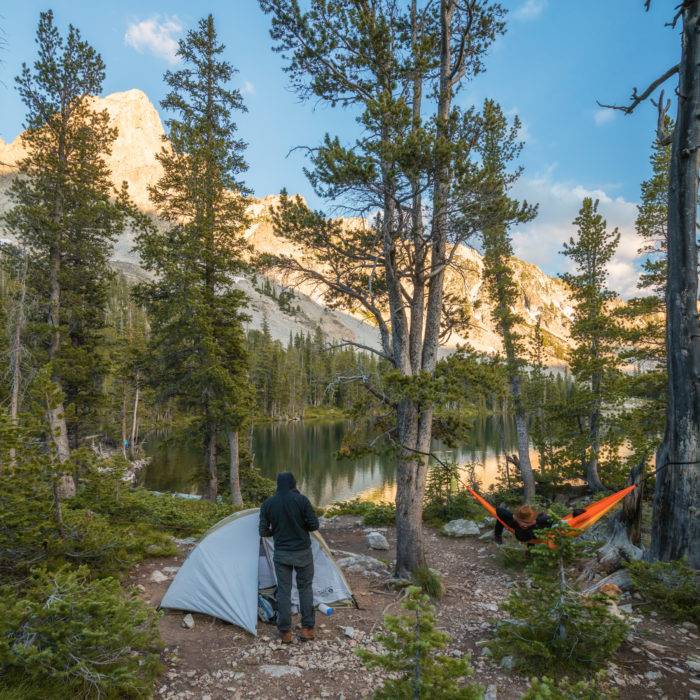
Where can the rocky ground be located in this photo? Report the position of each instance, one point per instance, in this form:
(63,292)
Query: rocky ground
(215,660)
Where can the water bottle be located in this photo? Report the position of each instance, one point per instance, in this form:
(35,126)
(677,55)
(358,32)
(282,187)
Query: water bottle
(323,608)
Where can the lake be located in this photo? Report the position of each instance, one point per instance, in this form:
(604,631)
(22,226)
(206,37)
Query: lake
(307,448)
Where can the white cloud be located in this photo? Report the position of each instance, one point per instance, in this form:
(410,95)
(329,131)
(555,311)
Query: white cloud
(541,241)
(603,116)
(530,9)
(248,88)
(157,35)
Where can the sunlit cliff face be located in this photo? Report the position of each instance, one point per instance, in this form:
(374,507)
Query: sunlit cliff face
(133,159)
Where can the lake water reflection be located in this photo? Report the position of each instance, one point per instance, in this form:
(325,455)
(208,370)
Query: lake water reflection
(308,449)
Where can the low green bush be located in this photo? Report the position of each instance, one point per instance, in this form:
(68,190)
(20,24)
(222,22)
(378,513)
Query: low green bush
(438,511)
(353,506)
(514,556)
(380,514)
(376,514)
(102,491)
(84,636)
(549,689)
(671,588)
(109,548)
(445,496)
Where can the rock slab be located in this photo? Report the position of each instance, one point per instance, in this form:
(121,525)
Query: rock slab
(461,528)
(376,540)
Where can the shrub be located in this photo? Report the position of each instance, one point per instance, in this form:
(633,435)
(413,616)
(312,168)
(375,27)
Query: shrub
(513,556)
(255,487)
(83,635)
(670,587)
(429,581)
(413,655)
(382,513)
(552,626)
(548,689)
(108,548)
(444,499)
(103,492)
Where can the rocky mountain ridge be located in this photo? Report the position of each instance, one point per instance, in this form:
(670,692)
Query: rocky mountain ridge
(133,159)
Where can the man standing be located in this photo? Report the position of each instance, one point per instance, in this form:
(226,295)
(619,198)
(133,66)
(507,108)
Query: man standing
(288,518)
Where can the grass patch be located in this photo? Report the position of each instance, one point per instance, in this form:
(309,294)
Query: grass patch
(429,581)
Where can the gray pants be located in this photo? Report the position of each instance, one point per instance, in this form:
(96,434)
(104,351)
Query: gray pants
(302,562)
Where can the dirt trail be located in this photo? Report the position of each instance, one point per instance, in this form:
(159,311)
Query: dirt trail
(216,660)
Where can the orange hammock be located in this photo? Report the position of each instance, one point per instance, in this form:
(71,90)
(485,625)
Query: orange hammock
(592,514)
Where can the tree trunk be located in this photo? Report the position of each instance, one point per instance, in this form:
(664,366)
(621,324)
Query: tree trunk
(623,543)
(631,515)
(234,475)
(124,437)
(58,490)
(592,478)
(213,483)
(676,520)
(414,434)
(134,418)
(16,354)
(56,414)
(521,428)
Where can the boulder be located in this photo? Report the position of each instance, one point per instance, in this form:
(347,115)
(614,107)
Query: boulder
(461,528)
(158,577)
(693,663)
(363,564)
(507,663)
(188,622)
(376,540)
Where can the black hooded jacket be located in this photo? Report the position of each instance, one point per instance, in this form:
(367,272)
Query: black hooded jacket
(288,516)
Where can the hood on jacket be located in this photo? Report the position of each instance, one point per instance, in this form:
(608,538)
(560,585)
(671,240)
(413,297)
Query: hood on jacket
(286,482)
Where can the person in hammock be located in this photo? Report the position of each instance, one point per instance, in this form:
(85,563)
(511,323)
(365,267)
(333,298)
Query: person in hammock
(524,521)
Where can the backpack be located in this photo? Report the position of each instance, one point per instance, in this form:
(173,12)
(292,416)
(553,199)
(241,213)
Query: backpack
(266,610)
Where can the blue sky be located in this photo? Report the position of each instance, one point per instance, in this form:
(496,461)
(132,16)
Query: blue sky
(557,58)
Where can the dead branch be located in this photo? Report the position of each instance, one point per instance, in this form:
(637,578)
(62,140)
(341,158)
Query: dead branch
(663,135)
(361,346)
(636,98)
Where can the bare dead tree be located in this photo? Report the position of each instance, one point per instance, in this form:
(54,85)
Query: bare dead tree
(676,519)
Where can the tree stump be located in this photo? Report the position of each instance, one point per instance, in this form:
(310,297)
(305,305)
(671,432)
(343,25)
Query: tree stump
(625,532)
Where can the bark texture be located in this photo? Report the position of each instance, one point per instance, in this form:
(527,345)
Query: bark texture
(234,473)
(676,520)
(213,478)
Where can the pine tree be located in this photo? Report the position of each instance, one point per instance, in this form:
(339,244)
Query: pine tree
(413,647)
(552,626)
(415,167)
(643,317)
(501,146)
(66,216)
(196,311)
(594,362)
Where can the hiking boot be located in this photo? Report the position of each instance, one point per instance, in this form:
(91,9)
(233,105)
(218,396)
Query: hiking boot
(286,637)
(306,635)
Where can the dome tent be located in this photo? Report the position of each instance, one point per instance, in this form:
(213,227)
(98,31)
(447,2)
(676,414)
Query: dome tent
(224,572)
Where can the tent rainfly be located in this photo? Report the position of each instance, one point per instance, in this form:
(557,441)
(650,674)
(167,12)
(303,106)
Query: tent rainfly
(225,571)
